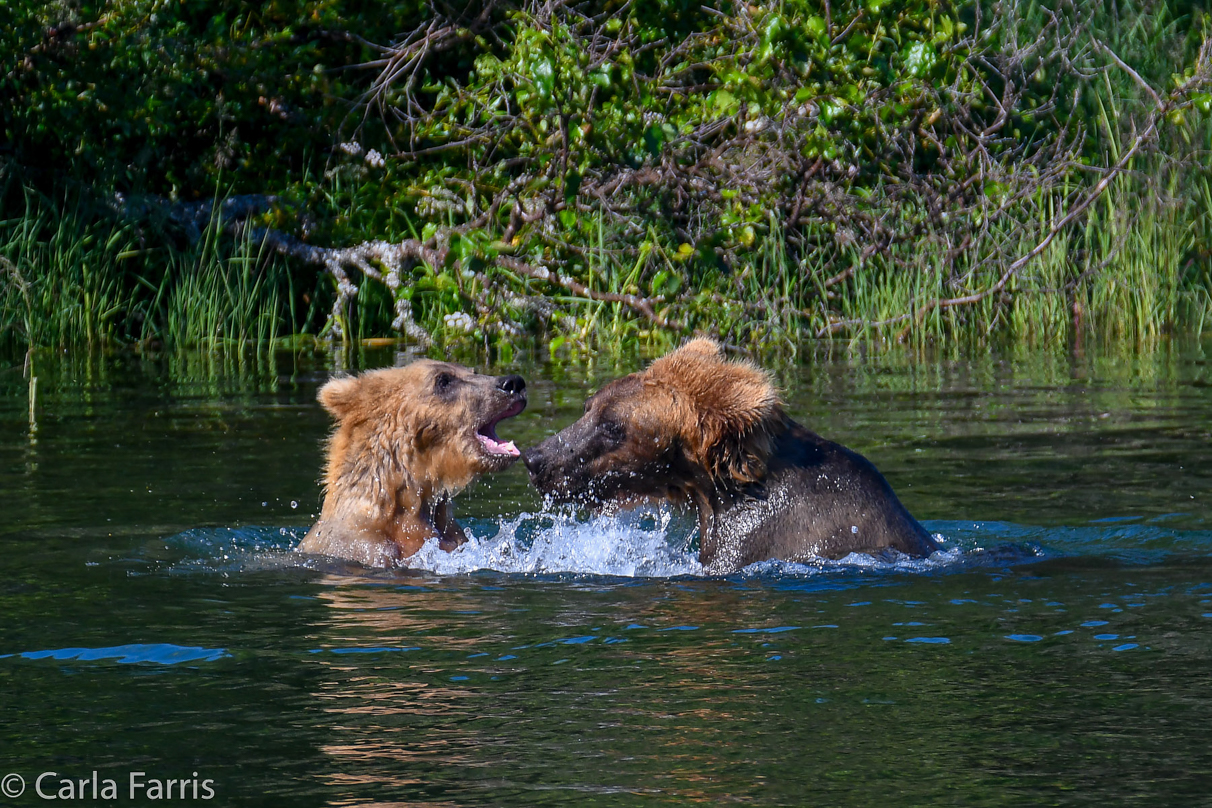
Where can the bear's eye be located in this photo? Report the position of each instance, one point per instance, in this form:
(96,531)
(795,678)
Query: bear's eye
(443,382)
(612,432)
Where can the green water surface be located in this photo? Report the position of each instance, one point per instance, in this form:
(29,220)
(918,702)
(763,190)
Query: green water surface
(153,618)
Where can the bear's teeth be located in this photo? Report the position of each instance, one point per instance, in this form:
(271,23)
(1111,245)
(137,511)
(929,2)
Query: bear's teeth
(498,447)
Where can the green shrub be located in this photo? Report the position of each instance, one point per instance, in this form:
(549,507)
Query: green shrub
(762,172)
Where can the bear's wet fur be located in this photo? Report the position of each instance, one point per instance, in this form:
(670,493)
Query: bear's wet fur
(697,428)
(407,440)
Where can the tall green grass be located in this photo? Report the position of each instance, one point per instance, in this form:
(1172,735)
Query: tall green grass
(61,281)
(217,297)
(75,277)
(1132,272)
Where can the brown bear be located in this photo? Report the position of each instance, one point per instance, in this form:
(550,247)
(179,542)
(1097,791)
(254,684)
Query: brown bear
(407,440)
(696,428)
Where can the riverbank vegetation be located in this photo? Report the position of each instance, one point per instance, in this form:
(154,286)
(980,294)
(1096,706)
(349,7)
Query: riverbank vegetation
(203,172)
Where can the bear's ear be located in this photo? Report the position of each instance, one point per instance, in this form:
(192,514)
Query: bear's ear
(737,410)
(339,396)
(739,413)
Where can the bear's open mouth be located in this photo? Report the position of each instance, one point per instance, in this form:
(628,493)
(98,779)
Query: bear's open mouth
(487,433)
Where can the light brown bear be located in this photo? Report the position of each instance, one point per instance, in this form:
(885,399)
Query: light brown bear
(696,428)
(407,440)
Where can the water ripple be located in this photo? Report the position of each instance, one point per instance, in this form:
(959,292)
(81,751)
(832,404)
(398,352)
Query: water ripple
(156,653)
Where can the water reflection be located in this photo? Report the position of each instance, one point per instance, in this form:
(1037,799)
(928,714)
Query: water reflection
(694,714)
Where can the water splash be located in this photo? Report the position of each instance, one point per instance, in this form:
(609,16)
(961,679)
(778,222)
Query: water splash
(639,544)
(652,542)
(659,542)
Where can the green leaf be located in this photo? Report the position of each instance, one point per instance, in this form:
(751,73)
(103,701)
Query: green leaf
(919,59)
(601,76)
(544,77)
(724,102)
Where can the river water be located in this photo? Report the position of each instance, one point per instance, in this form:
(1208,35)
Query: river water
(154,620)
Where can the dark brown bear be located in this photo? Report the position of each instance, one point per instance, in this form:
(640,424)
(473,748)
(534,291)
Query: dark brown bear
(697,428)
(407,441)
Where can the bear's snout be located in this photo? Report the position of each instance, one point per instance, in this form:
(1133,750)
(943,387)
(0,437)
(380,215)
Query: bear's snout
(556,466)
(514,385)
(541,468)
(534,461)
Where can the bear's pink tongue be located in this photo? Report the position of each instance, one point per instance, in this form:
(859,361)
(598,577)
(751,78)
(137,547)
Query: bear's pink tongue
(498,447)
